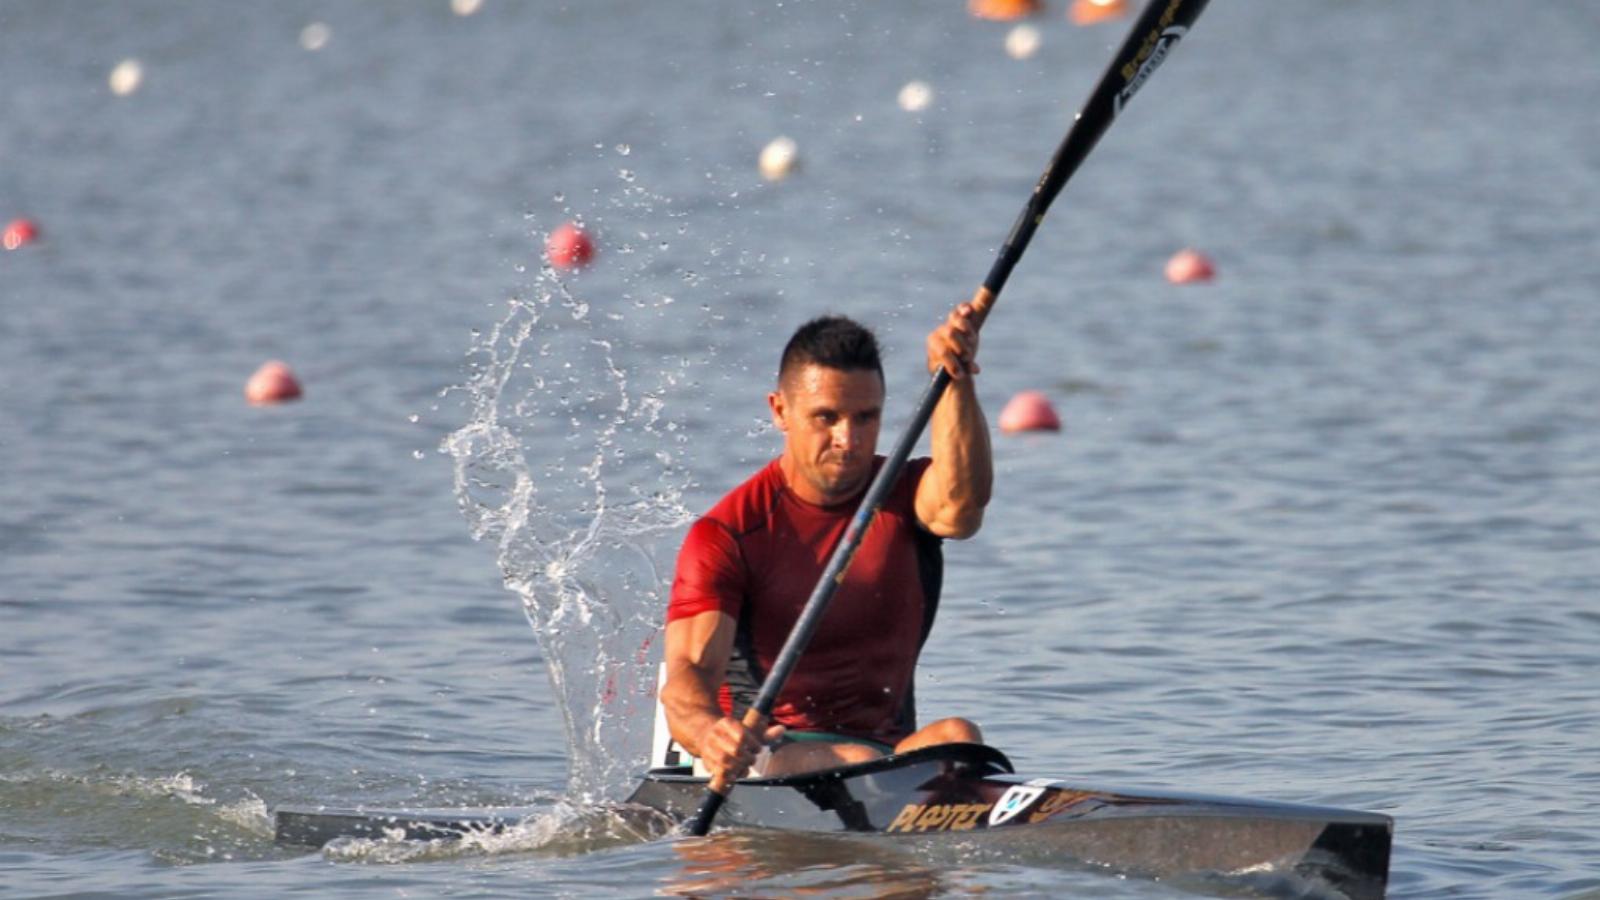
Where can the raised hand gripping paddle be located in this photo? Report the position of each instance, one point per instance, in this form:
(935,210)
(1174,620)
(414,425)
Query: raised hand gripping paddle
(1158,29)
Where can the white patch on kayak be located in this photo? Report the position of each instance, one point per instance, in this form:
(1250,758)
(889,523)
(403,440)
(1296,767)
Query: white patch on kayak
(1017,798)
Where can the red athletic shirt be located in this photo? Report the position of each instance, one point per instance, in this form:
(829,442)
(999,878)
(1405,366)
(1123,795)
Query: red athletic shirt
(758,554)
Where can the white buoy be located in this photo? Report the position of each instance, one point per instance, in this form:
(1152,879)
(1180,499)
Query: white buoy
(779,158)
(126,77)
(915,96)
(465,7)
(1023,41)
(315,36)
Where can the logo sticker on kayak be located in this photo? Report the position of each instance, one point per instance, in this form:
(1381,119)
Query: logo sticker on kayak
(938,817)
(1017,798)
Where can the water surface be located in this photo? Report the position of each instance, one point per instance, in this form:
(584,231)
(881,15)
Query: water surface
(1324,530)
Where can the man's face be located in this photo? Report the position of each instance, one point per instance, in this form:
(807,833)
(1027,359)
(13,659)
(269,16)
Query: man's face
(829,419)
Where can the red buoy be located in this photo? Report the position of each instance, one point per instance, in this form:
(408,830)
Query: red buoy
(569,247)
(1003,10)
(1088,12)
(1189,267)
(273,383)
(1029,411)
(18,233)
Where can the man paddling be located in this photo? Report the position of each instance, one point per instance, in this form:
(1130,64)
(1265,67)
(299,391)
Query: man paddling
(748,566)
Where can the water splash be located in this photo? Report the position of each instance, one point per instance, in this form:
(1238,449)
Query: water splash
(570,462)
(563,830)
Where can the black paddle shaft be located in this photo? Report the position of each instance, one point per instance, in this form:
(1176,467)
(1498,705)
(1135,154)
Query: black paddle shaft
(1162,24)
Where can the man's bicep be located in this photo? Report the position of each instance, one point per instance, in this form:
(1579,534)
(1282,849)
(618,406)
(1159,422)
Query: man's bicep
(929,503)
(701,643)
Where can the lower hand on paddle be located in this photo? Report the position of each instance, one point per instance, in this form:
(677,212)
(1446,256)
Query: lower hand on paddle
(729,748)
(953,346)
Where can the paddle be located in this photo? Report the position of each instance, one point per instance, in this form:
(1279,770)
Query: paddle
(1155,33)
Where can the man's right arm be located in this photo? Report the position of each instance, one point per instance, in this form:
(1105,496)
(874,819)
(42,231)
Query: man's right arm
(697,652)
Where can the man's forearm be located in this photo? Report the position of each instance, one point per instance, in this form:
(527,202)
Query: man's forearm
(962,459)
(691,707)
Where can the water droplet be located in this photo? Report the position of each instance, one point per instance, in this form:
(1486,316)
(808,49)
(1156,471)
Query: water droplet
(414,418)
(559,197)
(417,454)
(625,174)
(624,149)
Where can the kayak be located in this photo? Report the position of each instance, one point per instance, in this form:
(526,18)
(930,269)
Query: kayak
(971,791)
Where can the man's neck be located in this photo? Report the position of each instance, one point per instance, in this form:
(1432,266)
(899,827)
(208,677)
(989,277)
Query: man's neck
(804,490)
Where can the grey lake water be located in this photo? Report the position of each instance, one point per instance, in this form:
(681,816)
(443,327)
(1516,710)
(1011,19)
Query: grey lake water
(1326,529)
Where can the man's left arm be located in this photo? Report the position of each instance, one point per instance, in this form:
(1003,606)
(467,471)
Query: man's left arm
(955,489)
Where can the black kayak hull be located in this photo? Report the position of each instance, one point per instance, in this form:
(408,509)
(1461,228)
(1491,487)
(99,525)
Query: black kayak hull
(970,791)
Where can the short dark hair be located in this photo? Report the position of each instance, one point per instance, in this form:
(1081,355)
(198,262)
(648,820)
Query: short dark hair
(835,342)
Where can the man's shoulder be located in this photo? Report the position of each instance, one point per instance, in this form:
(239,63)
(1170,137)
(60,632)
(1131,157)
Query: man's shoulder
(747,507)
